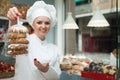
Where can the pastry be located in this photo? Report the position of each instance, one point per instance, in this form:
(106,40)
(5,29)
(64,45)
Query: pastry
(76,67)
(19,41)
(15,35)
(16,29)
(17,47)
(17,52)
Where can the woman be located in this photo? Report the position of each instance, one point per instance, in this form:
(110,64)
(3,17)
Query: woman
(42,61)
(113,57)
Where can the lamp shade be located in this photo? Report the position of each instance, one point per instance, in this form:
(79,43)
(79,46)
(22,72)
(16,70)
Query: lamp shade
(70,23)
(98,20)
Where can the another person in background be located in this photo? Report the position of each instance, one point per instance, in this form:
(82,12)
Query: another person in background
(113,57)
(42,61)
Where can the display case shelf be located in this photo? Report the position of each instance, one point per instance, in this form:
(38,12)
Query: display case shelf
(3,18)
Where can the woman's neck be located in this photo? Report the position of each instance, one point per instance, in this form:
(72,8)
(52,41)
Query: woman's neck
(42,38)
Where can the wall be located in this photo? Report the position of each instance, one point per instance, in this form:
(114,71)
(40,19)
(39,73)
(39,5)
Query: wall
(94,39)
(70,34)
(24,2)
(104,4)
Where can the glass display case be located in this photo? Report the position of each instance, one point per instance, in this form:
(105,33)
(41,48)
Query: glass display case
(6,61)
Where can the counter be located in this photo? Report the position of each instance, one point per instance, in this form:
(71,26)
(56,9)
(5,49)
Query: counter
(65,76)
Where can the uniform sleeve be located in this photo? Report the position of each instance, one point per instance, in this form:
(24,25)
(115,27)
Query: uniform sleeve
(54,71)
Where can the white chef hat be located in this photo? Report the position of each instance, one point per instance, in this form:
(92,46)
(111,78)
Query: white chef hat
(40,8)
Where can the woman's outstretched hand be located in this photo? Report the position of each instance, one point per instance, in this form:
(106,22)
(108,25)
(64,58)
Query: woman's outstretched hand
(42,67)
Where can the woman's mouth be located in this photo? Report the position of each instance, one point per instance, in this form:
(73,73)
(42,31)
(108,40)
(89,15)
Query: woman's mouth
(43,30)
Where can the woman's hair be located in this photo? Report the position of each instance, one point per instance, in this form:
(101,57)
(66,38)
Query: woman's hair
(28,26)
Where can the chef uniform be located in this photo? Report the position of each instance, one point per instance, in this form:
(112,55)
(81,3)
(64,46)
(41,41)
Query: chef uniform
(43,51)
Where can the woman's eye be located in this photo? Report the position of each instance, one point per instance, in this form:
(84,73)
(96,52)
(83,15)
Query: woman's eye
(39,22)
(47,23)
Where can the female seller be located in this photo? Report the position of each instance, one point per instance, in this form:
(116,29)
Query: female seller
(42,61)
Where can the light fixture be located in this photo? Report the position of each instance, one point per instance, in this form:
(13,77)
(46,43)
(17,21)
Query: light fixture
(70,23)
(98,20)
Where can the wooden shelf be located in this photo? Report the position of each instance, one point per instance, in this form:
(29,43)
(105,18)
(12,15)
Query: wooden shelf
(3,18)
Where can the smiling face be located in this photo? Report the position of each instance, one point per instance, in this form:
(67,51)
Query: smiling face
(41,26)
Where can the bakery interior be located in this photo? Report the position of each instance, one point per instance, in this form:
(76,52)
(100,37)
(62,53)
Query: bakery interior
(86,51)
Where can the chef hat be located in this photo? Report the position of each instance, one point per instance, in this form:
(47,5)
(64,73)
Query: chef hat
(40,8)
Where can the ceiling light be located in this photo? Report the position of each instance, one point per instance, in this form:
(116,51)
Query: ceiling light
(70,23)
(98,20)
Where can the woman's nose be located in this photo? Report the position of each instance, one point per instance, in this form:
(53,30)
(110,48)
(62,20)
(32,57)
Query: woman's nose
(43,25)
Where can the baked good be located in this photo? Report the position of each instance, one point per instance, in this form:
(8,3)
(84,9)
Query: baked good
(70,72)
(65,66)
(19,41)
(76,67)
(17,47)
(16,29)
(6,70)
(17,52)
(112,72)
(17,35)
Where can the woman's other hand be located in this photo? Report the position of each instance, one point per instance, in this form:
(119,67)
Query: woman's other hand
(13,13)
(42,67)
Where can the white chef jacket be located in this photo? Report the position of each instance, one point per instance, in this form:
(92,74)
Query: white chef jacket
(42,51)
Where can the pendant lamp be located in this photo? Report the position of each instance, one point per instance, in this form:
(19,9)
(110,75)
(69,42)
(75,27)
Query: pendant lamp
(70,23)
(98,20)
